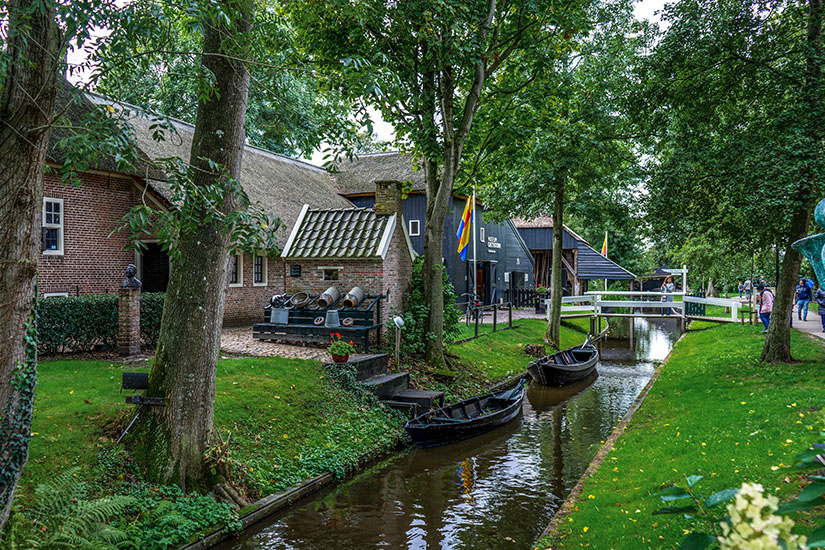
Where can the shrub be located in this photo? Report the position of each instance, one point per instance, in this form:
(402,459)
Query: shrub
(151,312)
(88,322)
(414,338)
(77,323)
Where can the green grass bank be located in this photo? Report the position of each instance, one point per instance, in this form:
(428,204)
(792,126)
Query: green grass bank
(714,411)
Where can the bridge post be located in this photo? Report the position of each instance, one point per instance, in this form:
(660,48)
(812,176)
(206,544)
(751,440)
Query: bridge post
(593,326)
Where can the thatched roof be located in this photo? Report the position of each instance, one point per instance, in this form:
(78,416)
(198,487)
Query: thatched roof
(77,111)
(359,175)
(281,185)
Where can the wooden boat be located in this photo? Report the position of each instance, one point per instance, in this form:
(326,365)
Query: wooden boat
(566,366)
(466,419)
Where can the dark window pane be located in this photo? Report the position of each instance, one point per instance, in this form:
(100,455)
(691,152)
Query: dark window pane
(259,269)
(52,239)
(233,274)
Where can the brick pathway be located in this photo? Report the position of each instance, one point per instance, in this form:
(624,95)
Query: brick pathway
(239,341)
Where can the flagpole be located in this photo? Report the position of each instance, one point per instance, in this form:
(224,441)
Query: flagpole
(475,270)
(605,255)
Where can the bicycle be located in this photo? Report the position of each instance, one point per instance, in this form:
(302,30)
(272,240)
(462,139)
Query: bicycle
(472,308)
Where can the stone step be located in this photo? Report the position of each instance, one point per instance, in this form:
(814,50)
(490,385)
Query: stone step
(423,399)
(385,386)
(369,365)
(409,409)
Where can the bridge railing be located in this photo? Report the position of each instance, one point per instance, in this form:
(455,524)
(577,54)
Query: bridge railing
(592,302)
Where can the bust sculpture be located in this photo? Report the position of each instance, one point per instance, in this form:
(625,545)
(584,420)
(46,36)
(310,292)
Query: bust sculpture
(813,247)
(131,281)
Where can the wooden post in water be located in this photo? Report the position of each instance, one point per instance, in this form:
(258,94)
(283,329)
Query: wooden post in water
(593,325)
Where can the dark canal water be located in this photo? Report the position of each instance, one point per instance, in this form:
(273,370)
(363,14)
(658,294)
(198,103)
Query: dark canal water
(495,491)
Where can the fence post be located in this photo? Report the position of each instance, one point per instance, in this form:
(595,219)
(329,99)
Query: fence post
(495,316)
(510,315)
(477,316)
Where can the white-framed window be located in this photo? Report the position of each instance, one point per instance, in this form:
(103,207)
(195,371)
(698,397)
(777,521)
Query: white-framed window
(260,274)
(481,234)
(55,294)
(415,228)
(53,216)
(236,270)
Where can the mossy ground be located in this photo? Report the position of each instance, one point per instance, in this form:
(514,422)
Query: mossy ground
(715,411)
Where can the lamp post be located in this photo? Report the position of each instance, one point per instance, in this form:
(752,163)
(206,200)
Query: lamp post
(399,324)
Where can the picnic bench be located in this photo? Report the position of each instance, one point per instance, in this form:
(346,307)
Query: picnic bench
(301,327)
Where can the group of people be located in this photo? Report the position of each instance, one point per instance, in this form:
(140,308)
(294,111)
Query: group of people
(803,294)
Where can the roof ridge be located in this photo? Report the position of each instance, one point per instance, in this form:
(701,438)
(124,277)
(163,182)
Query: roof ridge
(191,126)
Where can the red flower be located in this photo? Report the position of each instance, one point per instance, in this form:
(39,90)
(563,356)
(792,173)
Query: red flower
(338,335)
(350,343)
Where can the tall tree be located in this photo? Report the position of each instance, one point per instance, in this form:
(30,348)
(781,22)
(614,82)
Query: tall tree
(427,66)
(569,135)
(30,67)
(733,93)
(175,436)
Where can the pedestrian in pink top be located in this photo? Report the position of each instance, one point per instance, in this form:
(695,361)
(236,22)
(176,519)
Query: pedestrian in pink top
(765,300)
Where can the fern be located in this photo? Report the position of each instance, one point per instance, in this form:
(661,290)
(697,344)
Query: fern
(60,517)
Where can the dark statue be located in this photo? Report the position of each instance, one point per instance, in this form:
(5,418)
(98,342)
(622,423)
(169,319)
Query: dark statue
(131,281)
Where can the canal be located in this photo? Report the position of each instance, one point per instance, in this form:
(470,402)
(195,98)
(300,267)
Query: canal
(496,491)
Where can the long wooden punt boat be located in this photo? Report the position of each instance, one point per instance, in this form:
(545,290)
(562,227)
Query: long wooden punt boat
(466,419)
(566,366)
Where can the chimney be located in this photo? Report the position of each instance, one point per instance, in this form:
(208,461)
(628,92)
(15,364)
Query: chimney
(387,198)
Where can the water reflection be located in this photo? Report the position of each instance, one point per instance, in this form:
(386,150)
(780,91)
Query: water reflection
(495,491)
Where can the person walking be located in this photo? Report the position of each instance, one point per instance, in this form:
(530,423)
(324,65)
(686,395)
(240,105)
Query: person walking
(802,297)
(748,289)
(820,302)
(741,288)
(668,288)
(765,300)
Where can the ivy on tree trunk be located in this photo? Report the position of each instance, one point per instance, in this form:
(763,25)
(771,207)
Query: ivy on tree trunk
(26,108)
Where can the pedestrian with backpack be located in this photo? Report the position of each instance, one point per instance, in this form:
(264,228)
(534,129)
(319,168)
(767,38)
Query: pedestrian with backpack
(803,298)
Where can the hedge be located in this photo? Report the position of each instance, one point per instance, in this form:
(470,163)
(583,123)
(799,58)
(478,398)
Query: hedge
(89,322)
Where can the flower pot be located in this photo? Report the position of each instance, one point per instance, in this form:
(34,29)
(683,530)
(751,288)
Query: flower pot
(340,358)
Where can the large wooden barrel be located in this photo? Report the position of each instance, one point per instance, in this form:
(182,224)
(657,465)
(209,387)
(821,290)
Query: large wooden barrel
(353,297)
(329,297)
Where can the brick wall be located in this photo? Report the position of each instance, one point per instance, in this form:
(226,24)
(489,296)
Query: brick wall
(92,262)
(245,304)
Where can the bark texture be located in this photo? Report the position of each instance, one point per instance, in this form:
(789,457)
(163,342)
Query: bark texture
(778,340)
(26,110)
(175,436)
(553,334)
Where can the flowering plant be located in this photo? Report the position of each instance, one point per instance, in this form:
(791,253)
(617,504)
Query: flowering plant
(541,288)
(338,346)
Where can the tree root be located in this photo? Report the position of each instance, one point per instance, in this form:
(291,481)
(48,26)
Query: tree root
(225,492)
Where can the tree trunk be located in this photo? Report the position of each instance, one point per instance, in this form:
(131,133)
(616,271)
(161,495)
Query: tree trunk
(173,437)
(711,291)
(26,110)
(778,340)
(553,334)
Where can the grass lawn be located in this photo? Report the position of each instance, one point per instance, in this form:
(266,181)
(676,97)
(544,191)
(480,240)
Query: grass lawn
(285,421)
(715,411)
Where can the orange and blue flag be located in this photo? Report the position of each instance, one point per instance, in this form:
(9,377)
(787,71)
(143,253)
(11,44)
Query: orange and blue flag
(464,228)
(604,246)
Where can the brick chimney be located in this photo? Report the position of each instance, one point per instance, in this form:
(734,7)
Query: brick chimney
(387,198)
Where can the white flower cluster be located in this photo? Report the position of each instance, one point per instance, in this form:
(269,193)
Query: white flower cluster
(754,526)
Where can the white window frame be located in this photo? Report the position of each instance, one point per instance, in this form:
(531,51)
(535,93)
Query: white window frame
(55,294)
(417,231)
(239,284)
(59,226)
(264,271)
(481,234)
(324,268)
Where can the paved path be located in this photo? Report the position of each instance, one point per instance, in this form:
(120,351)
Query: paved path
(239,341)
(812,326)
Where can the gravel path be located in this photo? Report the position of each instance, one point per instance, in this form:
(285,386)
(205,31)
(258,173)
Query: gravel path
(239,341)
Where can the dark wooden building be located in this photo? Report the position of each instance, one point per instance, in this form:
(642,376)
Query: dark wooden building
(504,260)
(580,261)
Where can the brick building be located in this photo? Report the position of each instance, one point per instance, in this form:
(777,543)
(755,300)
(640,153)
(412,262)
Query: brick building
(83,255)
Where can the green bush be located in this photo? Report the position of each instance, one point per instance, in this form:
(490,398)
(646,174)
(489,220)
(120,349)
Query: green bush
(88,322)
(151,311)
(414,338)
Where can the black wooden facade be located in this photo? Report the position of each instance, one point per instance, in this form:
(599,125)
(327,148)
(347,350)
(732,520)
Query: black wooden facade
(504,260)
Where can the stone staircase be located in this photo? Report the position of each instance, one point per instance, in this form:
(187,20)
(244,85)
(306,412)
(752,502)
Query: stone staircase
(393,389)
